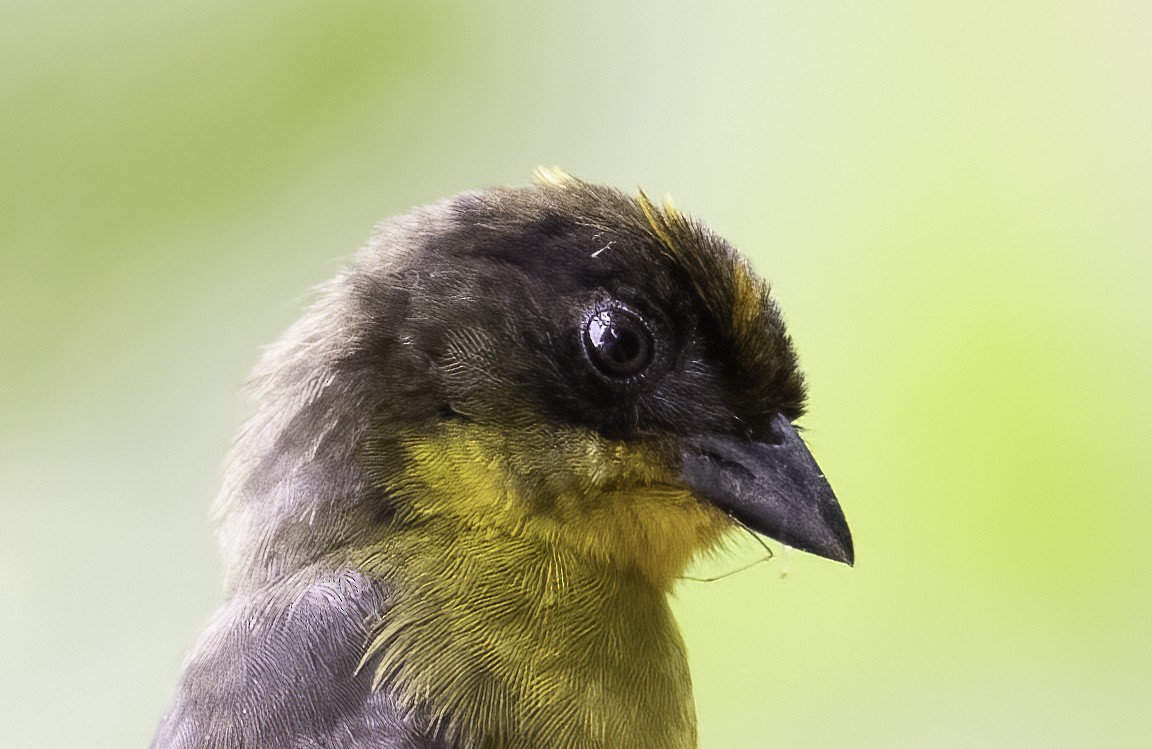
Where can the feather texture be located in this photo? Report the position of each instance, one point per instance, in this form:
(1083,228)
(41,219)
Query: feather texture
(443,528)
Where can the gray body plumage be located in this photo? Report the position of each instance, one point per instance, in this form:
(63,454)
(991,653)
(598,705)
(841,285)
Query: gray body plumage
(278,668)
(280,663)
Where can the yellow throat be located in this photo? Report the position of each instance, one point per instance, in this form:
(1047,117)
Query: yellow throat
(529,607)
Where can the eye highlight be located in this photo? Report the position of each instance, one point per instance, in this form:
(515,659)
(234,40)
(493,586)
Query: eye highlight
(618,342)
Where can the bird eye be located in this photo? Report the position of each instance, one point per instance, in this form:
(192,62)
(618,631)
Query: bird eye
(618,342)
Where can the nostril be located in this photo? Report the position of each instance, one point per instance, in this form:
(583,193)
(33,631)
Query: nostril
(727,463)
(777,431)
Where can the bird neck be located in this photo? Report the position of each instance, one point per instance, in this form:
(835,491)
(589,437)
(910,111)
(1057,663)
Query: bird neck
(510,641)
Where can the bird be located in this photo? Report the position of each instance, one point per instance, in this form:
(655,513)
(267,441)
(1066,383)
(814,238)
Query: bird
(477,466)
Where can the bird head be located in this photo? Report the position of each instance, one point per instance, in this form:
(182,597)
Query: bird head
(562,364)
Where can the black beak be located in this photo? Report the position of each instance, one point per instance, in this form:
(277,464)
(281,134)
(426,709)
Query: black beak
(772,487)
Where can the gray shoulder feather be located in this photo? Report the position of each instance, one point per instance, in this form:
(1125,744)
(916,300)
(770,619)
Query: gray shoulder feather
(278,669)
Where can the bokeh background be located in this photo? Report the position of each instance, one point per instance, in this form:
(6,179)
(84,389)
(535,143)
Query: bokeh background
(952,200)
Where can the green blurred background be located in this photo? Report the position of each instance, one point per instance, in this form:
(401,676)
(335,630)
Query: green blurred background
(953,201)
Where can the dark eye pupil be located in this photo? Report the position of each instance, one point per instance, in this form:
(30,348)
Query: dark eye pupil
(618,342)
